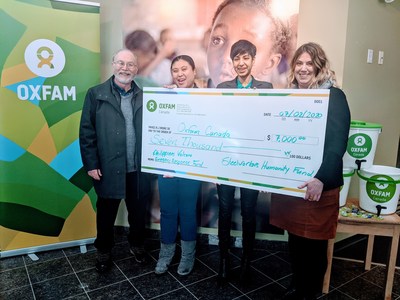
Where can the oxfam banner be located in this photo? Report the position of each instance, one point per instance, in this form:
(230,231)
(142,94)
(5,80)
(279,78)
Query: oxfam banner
(49,57)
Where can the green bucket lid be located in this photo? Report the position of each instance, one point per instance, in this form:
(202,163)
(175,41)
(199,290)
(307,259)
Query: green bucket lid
(363,124)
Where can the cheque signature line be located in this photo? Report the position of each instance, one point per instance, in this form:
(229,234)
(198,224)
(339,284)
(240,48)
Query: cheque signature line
(259,155)
(259,184)
(275,177)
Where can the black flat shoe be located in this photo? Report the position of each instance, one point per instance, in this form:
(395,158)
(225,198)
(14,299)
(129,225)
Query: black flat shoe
(103,266)
(292,294)
(139,254)
(245,276)
(103,262)
(223,273)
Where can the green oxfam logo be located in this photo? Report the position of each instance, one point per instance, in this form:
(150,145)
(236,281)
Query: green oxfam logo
(381,189)
(359,145)
(151,105)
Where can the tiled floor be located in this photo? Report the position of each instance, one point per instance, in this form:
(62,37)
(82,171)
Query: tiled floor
(69,274)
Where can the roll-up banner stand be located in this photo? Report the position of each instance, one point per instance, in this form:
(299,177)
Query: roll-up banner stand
(49,57)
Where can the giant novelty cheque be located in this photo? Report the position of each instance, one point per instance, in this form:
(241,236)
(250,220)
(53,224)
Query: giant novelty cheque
(268,139)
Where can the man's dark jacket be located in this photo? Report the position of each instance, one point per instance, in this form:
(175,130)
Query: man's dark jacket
(102,138)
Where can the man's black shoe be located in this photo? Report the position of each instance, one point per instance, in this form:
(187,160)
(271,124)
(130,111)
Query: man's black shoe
(103,267)
(223,273)
(139,254)
(292,294)
(245,273)
(103,262)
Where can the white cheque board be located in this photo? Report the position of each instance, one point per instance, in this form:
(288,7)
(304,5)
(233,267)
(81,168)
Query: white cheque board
(268,139)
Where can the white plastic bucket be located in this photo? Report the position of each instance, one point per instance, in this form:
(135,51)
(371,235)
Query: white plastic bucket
(344,189)
(379,189)
(361,145)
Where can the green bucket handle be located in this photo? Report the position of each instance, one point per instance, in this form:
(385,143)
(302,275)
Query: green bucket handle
(377,180)
(349,174)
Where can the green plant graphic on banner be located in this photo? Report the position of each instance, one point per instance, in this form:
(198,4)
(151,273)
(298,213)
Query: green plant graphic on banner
(45,73)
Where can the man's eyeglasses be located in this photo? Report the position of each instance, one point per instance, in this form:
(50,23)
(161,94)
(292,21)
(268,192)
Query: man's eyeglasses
(120,64)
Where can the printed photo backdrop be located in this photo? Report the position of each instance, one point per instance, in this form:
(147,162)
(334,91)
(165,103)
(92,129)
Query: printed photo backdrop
(49,57)
(201,29)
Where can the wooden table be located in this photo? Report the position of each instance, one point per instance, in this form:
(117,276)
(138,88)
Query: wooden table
(388,226)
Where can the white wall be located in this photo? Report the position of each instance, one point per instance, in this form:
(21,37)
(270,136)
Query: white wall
(346,29)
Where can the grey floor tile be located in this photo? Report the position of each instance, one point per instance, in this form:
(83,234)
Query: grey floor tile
(208,289)
(344,271)
(13,279)
(82,261)
(272,246)
(284,255)
(336,295)
(396,283)
(179,294)
(11,263)
(273,267)
(152,285)
(121,251)
(130,268)
(82,296)
(212,260)
(58,288)
(255,280)
(23,293)
(285,281)
(377,275)
(92,280)
(200,272)
(362,289)
(260,253)
(49,269)
(121,291)
(271,291)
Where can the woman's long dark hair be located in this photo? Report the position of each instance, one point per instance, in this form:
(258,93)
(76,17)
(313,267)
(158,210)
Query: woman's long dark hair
(186,58)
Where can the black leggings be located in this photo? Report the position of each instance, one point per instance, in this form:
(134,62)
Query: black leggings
(107,210)
(248,200)
(309,262)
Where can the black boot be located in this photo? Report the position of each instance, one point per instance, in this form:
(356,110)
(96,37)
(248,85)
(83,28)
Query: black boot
(245,276)
(103,261)
(248,245)
(224,269)
(293,294)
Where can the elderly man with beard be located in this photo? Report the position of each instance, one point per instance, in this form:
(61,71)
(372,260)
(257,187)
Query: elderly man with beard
(110,143)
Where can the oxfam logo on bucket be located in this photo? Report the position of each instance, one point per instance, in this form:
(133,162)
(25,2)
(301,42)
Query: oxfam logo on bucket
(380,191)
(44,58)
(359,145)
(151,105)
